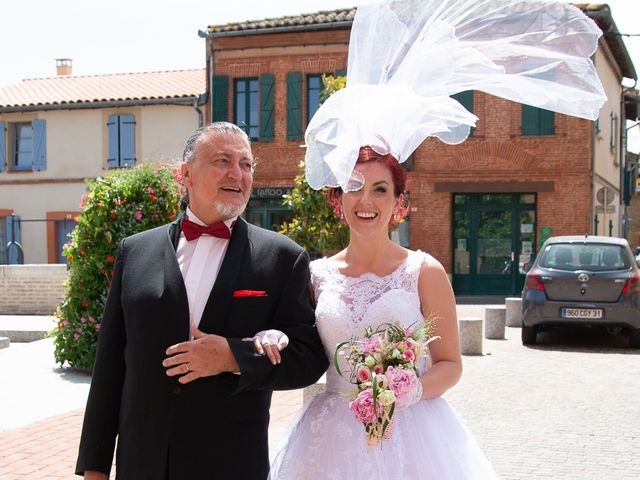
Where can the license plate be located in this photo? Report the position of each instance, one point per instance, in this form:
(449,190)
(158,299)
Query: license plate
(582,313)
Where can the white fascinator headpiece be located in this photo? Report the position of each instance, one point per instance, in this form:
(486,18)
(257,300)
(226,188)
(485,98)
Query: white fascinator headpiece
(407,57)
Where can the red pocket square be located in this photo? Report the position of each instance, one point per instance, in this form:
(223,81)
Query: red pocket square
(249,293)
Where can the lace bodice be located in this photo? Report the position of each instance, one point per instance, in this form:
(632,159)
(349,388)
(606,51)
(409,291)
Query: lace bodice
(346,305)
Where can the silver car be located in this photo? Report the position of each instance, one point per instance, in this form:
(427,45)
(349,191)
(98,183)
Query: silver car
(582,280)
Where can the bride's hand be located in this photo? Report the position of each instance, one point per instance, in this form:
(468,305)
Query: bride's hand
(269,342)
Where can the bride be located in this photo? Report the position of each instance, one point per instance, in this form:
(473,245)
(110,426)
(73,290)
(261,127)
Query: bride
(371,282)
(406,59)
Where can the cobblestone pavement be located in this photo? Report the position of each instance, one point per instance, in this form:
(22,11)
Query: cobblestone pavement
(568,408)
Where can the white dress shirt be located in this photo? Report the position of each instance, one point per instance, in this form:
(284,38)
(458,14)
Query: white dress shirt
(200,260)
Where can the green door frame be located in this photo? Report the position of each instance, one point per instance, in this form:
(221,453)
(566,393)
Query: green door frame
(511,283)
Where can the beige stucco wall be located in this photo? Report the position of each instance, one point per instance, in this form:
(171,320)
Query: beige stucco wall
(77,149)
(606,161)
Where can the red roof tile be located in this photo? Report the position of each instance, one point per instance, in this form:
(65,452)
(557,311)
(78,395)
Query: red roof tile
(104,88)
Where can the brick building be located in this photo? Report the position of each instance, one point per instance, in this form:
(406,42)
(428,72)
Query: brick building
(483,207)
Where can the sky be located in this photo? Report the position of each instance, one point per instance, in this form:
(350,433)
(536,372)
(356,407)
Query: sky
(115,36)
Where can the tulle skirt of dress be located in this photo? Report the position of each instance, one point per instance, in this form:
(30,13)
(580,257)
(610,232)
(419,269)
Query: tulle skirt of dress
(429,441)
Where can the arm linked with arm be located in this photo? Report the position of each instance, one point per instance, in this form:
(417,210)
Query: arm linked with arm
(304,360)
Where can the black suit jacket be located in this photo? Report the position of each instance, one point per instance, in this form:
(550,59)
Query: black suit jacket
(214,427)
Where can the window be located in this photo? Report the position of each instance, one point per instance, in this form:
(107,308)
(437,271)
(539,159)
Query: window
(59,227)
(537,121)
(253,106)
(22,148)
(122,141)
(246,111)
(314,88)
(26,142)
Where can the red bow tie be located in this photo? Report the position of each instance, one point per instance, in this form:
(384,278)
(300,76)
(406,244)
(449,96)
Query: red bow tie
(192,230)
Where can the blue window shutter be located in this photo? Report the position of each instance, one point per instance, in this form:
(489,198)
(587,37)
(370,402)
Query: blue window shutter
(530,120)
(113,158)
(13,234)
(294,106)
(3,146)
(266,107)
(127,140)
(39,144)
(220,110)
(341,73)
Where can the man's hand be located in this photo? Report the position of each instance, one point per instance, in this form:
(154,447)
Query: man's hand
(204,356)
(93,475)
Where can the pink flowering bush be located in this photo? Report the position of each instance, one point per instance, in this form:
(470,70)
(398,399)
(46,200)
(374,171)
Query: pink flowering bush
(125,202)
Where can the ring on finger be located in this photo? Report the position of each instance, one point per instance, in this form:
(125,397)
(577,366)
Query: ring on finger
(186,365)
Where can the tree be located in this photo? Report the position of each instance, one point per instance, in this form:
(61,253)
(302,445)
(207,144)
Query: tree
(125,202)
(314,225)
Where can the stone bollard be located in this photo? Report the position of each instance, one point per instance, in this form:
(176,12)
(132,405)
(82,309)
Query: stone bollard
(312,390)
(470,335)
(4,342)
(514,311)
(494,322)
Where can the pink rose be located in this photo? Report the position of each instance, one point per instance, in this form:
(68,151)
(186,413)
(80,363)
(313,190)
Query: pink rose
(97,326)
(378,369)
(409,356)
(403,384)
(76,336)
(150,190)
(138,215)
(362,407)
(364,374)
(371,344)
(83,320)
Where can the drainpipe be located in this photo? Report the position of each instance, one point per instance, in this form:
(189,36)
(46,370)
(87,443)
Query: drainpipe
(623,157)
(201,100)
(209,39)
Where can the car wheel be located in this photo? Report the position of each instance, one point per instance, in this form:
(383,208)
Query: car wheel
(529,335)
(634,338)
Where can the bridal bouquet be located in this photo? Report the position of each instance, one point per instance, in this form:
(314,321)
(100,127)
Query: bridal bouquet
(384,365)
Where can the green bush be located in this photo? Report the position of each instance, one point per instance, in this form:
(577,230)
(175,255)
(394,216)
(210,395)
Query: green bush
(314,225)
(127,201)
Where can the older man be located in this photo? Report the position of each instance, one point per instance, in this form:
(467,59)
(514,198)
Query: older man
(173,381)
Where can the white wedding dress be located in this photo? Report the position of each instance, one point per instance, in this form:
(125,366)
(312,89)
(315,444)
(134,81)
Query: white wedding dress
(429,440)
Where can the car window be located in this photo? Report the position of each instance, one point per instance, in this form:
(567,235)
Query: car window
(595,257)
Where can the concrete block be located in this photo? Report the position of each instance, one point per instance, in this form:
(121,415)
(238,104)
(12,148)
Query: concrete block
(470,329)
(494,322)
(4,342)
(514,311)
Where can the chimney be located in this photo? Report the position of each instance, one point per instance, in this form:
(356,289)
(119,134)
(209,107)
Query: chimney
(63,66)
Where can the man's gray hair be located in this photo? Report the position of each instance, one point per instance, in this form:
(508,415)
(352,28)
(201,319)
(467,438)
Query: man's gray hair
(191,146)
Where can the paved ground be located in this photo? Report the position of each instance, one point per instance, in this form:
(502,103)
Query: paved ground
(566,409)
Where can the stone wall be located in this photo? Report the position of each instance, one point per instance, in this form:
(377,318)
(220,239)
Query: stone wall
(31,289)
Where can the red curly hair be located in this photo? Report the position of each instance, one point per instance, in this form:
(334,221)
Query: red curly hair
(398,174)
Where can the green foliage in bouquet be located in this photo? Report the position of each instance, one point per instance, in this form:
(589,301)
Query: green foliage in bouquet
(314,225)
(125,202)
